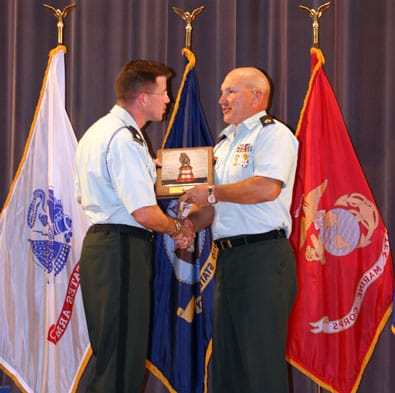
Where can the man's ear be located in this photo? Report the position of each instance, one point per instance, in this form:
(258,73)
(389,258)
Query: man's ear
(142,97)
(258,95)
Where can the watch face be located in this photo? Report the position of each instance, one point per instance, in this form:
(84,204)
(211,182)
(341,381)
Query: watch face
(211,198)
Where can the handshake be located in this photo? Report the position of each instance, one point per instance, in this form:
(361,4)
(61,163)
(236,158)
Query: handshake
(194,214)
(185,234)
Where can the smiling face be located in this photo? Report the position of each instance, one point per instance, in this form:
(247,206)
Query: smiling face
(244,92)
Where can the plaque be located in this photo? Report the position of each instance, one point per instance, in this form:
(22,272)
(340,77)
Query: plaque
(183,168)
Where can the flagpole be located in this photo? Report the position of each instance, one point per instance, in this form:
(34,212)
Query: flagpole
(315,16)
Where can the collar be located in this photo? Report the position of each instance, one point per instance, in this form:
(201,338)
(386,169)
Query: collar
(123,115)
(247,125)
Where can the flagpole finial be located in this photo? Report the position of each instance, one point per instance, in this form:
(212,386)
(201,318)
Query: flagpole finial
(189,17)
(316,15)
(61,16)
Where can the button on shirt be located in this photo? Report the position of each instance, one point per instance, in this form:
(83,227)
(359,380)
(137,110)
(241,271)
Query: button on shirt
(254,150)
(115,173)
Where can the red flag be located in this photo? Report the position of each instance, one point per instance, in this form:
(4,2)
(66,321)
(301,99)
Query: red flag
(345,272)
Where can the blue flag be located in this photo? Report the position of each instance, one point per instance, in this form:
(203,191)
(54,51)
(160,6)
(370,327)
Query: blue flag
(188,126)
(180,348)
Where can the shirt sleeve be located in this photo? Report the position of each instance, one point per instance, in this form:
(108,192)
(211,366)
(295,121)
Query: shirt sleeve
(132,171)
(275,150)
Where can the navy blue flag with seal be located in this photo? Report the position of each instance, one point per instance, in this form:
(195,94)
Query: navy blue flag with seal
(180,347)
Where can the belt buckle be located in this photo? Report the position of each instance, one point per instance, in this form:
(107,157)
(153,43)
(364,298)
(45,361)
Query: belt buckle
(224,244)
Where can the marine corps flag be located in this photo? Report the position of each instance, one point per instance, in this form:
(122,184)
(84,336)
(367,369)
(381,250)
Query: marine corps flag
(393,316)
(180,347)
(43,334)
(345,273)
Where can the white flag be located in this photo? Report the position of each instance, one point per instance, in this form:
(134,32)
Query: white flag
(44,342)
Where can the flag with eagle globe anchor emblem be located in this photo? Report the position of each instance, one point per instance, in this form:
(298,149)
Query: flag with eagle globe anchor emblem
(344,263)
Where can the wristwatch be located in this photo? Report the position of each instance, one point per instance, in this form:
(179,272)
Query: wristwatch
(211,197)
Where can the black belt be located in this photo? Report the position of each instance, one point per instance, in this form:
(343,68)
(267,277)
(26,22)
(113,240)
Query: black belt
(121,228)
(241,240)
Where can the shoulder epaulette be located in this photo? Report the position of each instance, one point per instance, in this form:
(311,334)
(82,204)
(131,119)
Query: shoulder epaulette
(221,138)
(136,135)
(266,120)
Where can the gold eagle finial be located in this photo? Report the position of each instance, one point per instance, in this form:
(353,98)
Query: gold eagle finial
(60,16)
(189,17)
(316,15)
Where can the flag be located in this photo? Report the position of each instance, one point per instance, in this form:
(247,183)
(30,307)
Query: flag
(393,316)
(180,347)
(344,263)
(44,342)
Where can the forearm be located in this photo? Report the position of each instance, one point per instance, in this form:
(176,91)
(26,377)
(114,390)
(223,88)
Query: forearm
(255,189)
(201,217)
(152,217)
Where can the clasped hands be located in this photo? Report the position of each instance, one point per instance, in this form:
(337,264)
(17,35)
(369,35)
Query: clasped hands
(198,196)
(185,237)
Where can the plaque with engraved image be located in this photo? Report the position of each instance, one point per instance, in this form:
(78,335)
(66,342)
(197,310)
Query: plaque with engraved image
(183,168)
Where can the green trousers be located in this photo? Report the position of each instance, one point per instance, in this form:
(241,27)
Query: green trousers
(254,292)
(115,282)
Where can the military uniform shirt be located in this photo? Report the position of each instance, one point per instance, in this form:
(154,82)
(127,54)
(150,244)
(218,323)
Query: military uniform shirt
(115,173)
(255,150)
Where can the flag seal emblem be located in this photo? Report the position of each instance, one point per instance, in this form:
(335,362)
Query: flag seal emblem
(349,225)
(51,231)
(340,228)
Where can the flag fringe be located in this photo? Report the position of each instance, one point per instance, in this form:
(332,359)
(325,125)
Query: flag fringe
(363,365)
(13,377)
(317,67)
(81,369)
(77,380)
(33,125)
(158,374)
(191,64)
(206,362)
(310,375)
(372,346)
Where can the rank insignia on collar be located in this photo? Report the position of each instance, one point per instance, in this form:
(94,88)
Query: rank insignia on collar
(266,120)
(136,135)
